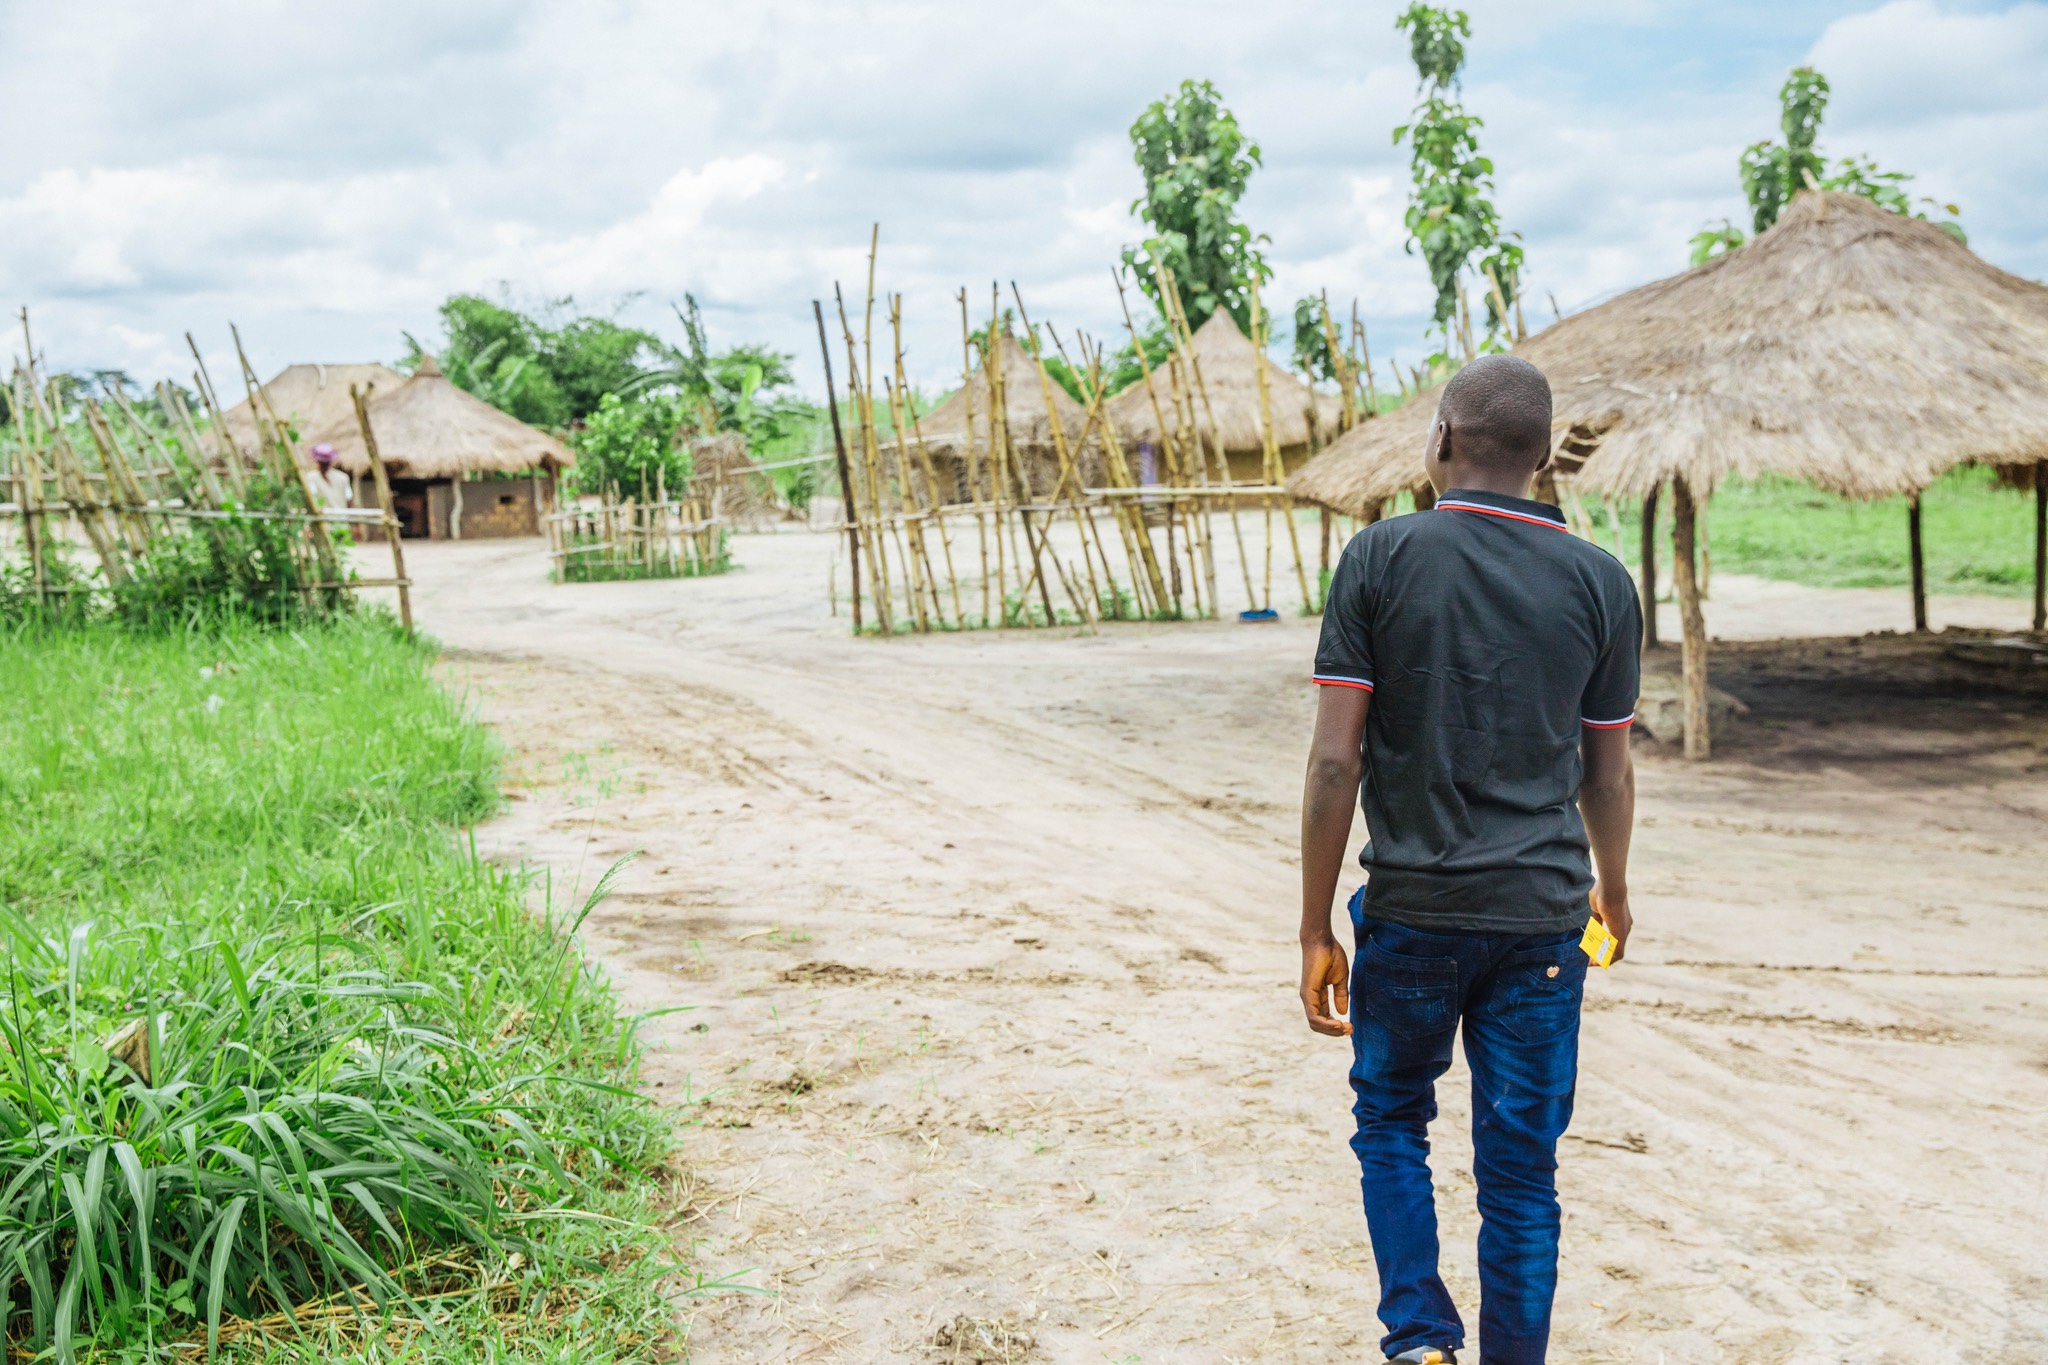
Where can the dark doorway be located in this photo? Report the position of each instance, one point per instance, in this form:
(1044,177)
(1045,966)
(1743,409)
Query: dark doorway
(409,503)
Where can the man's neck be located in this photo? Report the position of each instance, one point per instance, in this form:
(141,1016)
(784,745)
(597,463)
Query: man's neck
(1461,474)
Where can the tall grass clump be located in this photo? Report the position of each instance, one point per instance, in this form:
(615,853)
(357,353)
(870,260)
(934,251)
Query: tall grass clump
(274,1041)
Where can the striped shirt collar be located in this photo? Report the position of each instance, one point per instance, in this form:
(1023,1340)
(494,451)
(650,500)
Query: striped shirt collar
(1500,505)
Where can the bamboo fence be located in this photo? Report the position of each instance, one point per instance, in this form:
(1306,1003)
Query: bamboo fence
(622,538)
(1008,553)
(106,474)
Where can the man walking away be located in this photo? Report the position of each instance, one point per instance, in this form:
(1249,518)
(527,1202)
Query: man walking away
(1478,666)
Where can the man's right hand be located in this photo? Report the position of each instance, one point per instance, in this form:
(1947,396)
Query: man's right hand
(1326,972)
(1610,906)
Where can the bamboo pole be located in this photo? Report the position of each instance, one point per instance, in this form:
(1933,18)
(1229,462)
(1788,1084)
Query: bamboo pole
(1647,579)
(360,398)
(973,473)
(1372,395)
(1167,445)
(921,585)
(1698,739)
(992,366)
(121,485)
(848,509)
(1347,379)
(1919,559)
(174,403)
(71,475)
(1115,470)
(1068,480)
(1276,471)
(1177,315)
(288,464)
(2041,546)
(931,477)
(29,481)
(862,493)
(1138,532)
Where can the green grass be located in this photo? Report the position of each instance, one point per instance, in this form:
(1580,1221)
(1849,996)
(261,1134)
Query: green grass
(1978,538)
(369,1066)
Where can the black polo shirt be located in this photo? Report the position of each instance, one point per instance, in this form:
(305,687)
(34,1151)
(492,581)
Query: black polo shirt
(1489,637)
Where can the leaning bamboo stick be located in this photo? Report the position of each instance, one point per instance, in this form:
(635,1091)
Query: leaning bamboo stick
(360,399)
(931,477)
(974,474)
(71,475)
(1167,445)
(1092,606)
(1276,472)
(1179,317)
(861,496)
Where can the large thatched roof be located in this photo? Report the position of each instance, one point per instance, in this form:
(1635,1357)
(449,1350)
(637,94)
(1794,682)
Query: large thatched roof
(945,427)
(1229,374)
(1853,348)
(310,398)
(427,428)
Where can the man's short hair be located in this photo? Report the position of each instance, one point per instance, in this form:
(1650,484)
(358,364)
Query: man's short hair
(1498,408)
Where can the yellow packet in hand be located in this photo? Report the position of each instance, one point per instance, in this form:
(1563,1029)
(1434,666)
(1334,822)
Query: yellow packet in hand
(1598,943)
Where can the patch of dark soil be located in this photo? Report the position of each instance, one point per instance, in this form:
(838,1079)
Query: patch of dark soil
(1911,702)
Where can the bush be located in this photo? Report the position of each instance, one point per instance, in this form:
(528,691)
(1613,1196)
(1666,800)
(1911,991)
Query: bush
(629,445)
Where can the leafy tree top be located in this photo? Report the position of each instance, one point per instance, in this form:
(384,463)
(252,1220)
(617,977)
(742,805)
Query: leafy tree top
(541,371)
(1773,172)
(1196,162)
(1451,217)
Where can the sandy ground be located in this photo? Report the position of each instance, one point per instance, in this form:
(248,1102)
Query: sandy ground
(988,941)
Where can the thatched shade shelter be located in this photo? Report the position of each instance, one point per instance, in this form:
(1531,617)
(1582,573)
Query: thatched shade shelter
(1850,347)
(1229,364)
(436,440)
(948,431)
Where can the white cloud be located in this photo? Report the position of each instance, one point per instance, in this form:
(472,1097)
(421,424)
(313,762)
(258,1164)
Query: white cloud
(326,174)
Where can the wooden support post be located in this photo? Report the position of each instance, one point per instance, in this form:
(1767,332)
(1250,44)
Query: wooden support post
(361,399)
(2041,546)
(1919,566)
(1685,578)
(1646,578)
(1326,540)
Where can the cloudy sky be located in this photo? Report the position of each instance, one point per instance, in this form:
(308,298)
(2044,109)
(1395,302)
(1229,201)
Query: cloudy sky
(325,173)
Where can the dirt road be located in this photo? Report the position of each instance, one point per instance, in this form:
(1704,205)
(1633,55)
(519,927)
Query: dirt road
(990,944)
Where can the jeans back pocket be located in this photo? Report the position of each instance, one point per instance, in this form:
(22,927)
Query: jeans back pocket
(1411,996)
(1537,992)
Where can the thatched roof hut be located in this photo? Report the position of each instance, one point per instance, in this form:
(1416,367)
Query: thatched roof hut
(946,434)
(1856,349)
(1229,364)
(427,428)
(310,398)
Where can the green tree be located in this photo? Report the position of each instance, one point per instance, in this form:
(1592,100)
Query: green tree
(1773,172)
(1196,162)
(1311,343)
(629,444)
(541,372)
(1451,218)
(746,388)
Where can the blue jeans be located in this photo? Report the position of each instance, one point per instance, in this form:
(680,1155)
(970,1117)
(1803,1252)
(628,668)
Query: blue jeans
(1519,1000)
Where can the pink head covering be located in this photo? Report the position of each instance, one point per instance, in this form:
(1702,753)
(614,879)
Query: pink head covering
(323,453)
